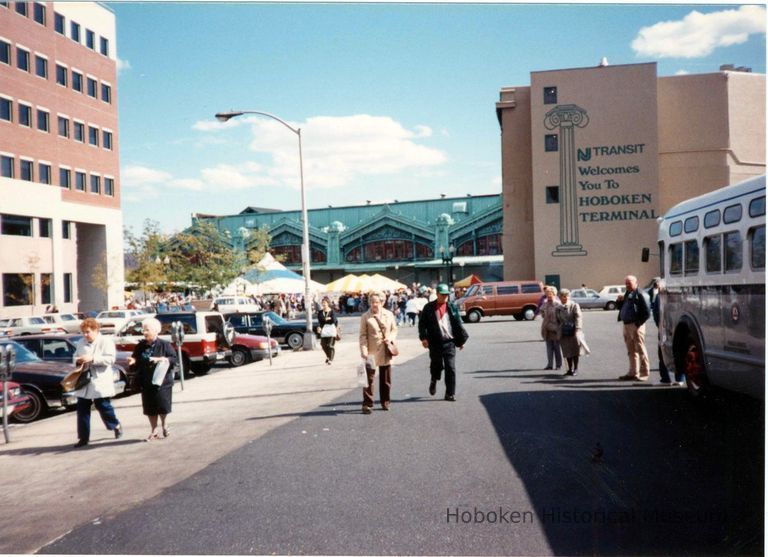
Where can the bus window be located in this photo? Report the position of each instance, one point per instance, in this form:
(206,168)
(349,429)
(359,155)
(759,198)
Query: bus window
(691,257)
(676,259)
(712,219)
(757,246)
(732,241)
(676,228)
(691,224)
(757,207)
(713,253)
(661,259)
(732,214)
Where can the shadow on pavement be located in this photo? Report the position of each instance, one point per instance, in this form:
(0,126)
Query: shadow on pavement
(686,479)
(68,447)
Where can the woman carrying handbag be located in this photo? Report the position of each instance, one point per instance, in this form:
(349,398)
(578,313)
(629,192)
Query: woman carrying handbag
(377,335)
(328,326)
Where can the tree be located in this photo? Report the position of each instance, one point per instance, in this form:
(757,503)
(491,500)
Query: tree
(257,245)
(143,252)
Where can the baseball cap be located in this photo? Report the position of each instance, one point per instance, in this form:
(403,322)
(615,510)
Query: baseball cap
(443,289)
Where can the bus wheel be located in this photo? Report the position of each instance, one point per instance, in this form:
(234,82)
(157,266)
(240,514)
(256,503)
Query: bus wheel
(695,374)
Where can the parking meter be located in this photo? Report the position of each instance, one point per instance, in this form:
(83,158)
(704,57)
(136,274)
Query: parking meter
(177,336)
(268,330)
(7,364)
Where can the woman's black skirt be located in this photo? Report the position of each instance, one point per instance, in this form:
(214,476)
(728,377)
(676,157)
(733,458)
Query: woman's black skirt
(157,400)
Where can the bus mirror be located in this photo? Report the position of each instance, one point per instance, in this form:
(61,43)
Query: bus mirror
(645,255)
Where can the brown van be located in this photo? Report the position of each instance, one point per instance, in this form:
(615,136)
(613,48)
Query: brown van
(519,298)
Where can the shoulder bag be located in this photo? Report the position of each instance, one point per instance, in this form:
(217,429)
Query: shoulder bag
(389,345)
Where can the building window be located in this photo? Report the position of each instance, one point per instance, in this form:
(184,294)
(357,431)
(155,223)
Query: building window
(107,140)
(109,187)
(552,194)
(104,46)
(67,288)
(550,95)
(16,225)
(106,93)
(90,39)
(43,120)
(65,229)
(6,166)
(22,59)
(95,184)
(91,87)
(74,31)
(27,170)
(5,52)
(17,288)
(61,75)
(45,288)
(79,132)
(58,23)
(41,67)
(65,178)
(44,173)
(63,126)
(44,227)
(77,81)
(6,109)
(550,142)
(93,136)
(21,8)
(39,13)
(25,115)
(80,181)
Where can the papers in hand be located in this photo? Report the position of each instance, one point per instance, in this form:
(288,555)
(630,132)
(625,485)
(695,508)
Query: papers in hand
(161,368)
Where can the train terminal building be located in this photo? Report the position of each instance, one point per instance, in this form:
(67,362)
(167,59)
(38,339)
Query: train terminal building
(410,241)
(593,156)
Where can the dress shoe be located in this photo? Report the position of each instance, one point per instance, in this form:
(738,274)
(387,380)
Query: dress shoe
(547,368)
(450,398)
(385,407)
(118,431)
(569,372)
(432,387)
(627,377)
(367,410)
(81,443)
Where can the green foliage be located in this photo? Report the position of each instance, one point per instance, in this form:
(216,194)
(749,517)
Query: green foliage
(143,251)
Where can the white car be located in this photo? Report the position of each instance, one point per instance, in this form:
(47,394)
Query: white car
(66,321)
(114,319)
(613,291)
(26,326)
(234,304)
(589,299)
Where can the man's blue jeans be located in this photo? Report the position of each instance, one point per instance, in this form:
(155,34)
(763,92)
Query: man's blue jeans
(107,413)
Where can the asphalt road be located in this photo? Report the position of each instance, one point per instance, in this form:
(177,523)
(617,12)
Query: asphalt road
(507,469)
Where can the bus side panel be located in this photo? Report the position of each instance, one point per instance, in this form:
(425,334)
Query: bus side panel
(744,324)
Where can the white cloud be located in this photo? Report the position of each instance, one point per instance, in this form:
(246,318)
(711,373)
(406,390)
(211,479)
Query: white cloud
(187,184)
(698,35)
(682,72)
(135,176)
(123,65)
(236,177)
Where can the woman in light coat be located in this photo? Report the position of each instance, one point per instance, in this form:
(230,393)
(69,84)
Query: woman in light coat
(569,318)
(376,324)
(97,353)
(550,328)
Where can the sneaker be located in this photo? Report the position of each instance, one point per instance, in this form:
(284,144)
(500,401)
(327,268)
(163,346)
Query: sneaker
(450,398)
(569,372)
(118,431)
(640,378)
(432,387)
(680,383)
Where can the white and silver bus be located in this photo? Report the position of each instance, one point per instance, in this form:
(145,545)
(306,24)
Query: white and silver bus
(712,264)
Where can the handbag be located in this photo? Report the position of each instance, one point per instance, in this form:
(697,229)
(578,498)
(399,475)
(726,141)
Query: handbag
(76,379)
(568,329)
(389,345)
(328,331)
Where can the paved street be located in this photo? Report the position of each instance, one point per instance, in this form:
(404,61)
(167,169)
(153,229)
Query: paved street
(507,469)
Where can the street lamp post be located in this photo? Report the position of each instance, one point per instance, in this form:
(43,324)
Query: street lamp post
(447,256)
(309,336)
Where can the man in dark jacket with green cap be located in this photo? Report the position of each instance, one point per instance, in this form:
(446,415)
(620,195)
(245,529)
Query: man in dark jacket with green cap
(441,330)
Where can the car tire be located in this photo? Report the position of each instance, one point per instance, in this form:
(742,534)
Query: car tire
(474,316)
(239,357)
(610,306)
(36,409)
(295,341)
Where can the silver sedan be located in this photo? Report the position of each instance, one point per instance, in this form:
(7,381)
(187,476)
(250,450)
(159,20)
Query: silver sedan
(590,299)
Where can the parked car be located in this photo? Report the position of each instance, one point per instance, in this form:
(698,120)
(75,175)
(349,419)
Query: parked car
(284,331)
(114,320)
(252,348)
(62,347)
(41,380)
(69,322)
(589,299)
(18,400)
(613,291)
(26,326)
(517,298)
(234,304)
(207,338)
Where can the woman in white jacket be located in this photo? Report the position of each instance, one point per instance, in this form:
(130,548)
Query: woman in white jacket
(97,352)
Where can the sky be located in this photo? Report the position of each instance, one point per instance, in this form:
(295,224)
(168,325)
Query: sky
(394,101)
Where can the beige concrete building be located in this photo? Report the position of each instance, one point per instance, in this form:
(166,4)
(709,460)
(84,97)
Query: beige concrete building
(591,157)
(60,217)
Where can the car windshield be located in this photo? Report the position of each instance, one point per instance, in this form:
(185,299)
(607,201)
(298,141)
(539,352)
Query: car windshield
(471,292)
(68,317)
(36,321)
(275,318)
(4,322)
(114,314)
(22,354)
